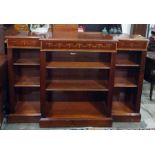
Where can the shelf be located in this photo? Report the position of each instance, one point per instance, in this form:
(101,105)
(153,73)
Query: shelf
(77,85)
(27,82)
(124,82)
(79,65)
(28,108)
(75,114)
(122,111)
(27,62)
(126,63)
(121,108)
(76,110)
(26,112)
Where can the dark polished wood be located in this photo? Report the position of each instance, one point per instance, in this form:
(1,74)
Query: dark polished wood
(24,76)
(1,38)
(75,114)
(132,45)
(122,112)
(27,62)
(43,83)
(140,81)
(27,82)
(75,79)
(77,85)
(3,79)
(78,65)
(11,80)
(24,43)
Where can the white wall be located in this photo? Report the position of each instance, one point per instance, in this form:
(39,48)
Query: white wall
(126,28)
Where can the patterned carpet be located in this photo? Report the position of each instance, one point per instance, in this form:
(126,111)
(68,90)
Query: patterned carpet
(147,121)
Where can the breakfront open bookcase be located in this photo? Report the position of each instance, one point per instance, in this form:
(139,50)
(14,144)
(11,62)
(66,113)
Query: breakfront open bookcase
(67,79)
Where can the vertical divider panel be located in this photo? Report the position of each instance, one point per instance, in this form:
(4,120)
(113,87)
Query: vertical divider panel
(11,80)
(111,83)
(140,81)
(43,83)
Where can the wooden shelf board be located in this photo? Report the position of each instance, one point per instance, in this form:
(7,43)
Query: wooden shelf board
(27,82)
(126,63)
(121,108)
(27,107)
(64,114)
(27,62)
(80,65)
(124,82)
(76,85)
(25,112)
(122,112)
(76,110)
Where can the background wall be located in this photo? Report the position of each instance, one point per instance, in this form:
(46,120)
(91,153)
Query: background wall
(126,28)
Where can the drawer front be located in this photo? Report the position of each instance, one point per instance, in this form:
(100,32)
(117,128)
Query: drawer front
(137,45)
(75,45)
(23,43)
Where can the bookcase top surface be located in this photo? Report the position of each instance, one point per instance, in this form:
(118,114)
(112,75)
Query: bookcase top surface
(66,35)
(129,37)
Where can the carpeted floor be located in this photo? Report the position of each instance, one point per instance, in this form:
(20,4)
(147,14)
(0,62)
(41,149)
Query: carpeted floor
(147,121)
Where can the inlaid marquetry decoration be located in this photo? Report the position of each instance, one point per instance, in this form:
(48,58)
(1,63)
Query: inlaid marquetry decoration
(137,45)
(74,45)
(23,43)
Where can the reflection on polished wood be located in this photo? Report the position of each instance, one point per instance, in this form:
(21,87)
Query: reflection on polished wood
(25,112)
(28,108)
(70,114)
(27,62)
(126,63)
(125,82)
(80,65)
(27,82)
(122,111)
(77,85)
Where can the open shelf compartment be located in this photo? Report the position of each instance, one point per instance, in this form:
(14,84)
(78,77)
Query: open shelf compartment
(76,109)
(123,105)
(27,106)
(27,76)
(77,80)
(26,57)
(126,77)
(128,58)
(75,60)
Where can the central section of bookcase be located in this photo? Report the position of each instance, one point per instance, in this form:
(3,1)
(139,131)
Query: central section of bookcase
(76,82)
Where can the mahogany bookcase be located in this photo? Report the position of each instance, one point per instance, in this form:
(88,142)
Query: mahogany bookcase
(75,79)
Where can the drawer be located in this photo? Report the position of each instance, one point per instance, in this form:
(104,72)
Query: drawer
(78,46)
(23,43)
(133,45)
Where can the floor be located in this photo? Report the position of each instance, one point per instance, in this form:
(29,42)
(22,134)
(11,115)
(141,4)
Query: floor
(147,120)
